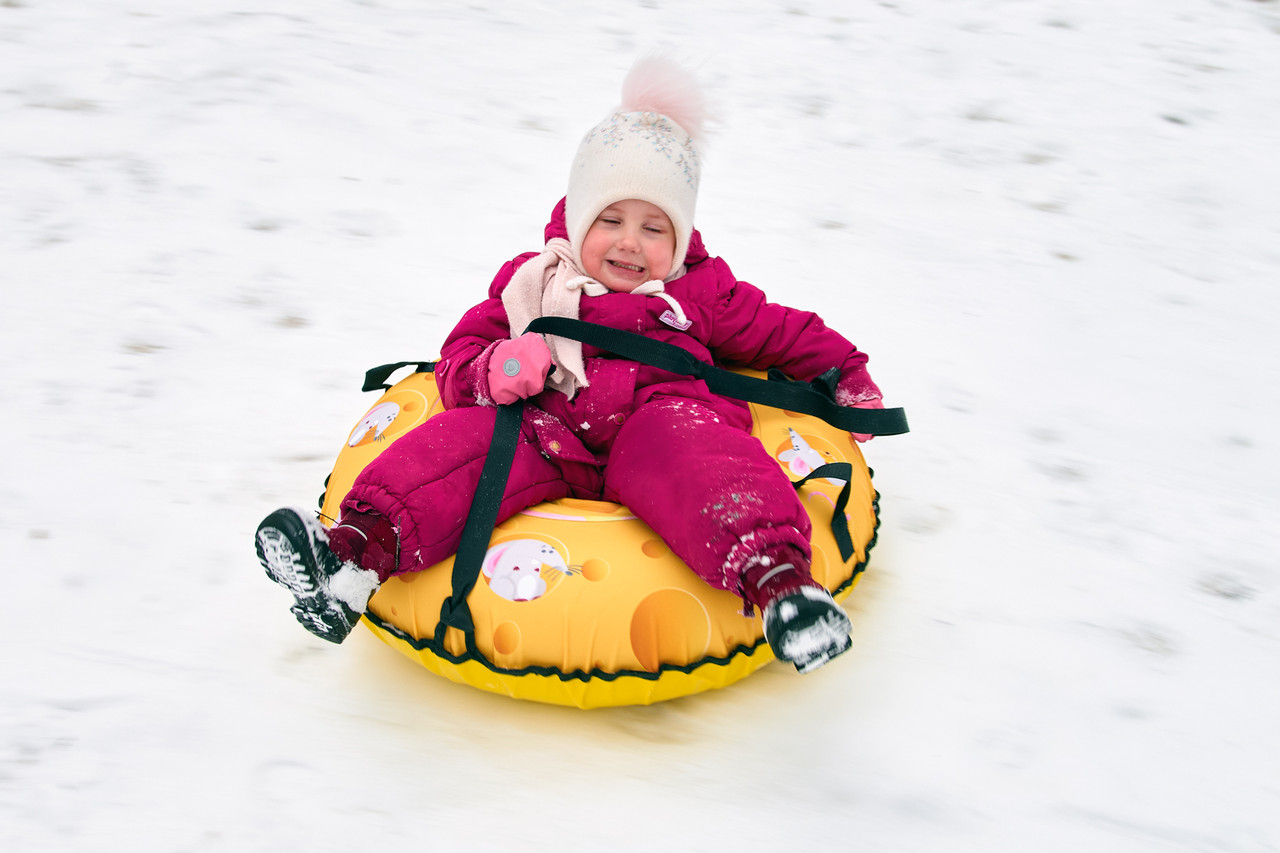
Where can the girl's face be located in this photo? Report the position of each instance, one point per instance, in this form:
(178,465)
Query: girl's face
(630,242)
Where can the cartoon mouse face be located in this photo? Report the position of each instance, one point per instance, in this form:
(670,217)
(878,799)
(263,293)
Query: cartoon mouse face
(802,459)
(514,569)
(379,418)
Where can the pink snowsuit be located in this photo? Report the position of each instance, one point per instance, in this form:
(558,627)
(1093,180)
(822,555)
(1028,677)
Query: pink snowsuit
(680,457)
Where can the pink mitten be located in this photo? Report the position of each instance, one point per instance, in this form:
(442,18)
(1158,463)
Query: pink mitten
(518,368)
(862,437)
(857,390)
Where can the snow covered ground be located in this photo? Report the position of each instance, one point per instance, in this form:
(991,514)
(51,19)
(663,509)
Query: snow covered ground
(1052,224)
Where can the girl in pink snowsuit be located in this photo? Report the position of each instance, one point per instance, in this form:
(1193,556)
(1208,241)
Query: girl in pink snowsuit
(621,252)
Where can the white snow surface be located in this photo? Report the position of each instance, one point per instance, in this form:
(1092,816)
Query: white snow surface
(1053,225)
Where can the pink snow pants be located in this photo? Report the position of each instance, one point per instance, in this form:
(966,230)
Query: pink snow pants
(705,486)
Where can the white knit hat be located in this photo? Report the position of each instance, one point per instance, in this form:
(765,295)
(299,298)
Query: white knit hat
(646,150)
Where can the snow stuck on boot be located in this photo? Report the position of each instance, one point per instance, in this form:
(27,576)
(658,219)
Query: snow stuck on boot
(354,586)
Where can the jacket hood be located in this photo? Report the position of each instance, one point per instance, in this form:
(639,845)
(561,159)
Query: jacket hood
(557,228)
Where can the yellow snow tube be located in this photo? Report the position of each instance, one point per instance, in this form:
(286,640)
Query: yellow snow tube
(579,602)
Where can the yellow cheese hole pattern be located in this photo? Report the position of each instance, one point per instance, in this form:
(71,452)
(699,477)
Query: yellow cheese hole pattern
(667,624)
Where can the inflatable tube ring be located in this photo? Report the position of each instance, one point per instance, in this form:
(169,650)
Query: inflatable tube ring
(579,602)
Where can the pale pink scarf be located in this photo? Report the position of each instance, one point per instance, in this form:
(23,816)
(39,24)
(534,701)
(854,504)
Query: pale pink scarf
(552,285)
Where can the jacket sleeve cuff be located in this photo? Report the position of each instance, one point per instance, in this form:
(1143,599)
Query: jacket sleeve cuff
(468,384)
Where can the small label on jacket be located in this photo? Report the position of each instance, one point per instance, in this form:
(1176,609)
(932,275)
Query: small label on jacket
(669,317)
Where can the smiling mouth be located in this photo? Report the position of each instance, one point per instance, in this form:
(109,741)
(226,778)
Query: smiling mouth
(626,267)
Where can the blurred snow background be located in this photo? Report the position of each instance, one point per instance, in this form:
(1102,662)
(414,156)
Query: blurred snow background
(1053,225)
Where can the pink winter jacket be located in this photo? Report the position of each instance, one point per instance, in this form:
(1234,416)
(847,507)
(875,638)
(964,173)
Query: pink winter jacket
(733,324)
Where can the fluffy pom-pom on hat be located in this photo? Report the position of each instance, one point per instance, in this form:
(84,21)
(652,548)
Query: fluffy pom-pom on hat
(658,85)
(647,149)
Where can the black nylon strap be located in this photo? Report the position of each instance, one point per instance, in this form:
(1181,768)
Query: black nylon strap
(375,378)
(839,524)
(803,398)
(799,397)
(455,613)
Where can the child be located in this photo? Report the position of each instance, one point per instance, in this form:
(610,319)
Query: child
(621,251)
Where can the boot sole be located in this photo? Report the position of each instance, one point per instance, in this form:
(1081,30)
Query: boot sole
(815,645)
(280,557)
(837,643)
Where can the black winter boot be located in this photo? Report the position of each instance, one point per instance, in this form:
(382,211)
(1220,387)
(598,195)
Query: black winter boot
(806,628)
(329,594)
